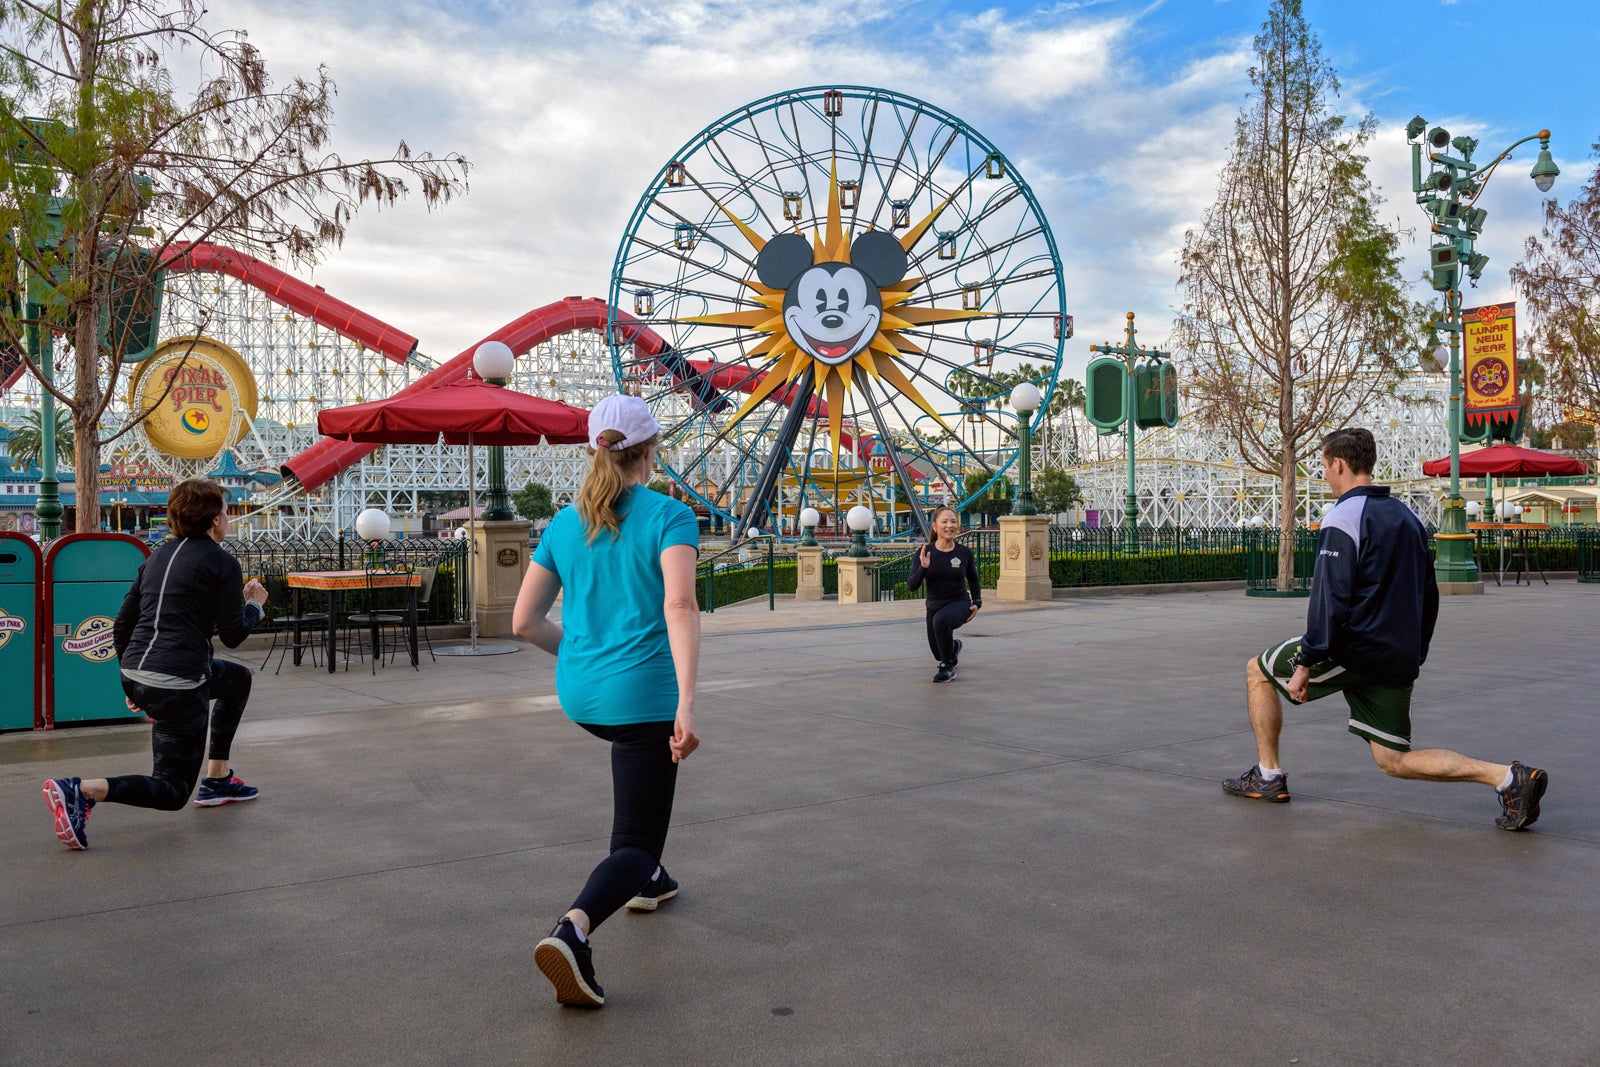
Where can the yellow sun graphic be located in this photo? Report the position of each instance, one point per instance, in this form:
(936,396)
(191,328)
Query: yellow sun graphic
(782,357)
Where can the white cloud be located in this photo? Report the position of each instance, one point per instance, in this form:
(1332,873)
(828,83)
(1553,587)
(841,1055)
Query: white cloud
(568,111)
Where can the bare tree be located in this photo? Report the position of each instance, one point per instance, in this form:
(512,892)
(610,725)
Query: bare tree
(1559,277)
(1295,313)
(108,174)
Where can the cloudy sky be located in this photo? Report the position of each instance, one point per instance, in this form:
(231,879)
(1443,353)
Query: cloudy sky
(1118,113)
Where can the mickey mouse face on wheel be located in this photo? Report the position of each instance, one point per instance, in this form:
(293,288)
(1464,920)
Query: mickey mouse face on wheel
(832,310)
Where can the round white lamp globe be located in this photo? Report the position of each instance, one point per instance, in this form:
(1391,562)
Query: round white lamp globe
(754,531)
(859,519)
(1026,398)
(372,525)
(1474,509)
(810,517)
(494,359)
(461,533)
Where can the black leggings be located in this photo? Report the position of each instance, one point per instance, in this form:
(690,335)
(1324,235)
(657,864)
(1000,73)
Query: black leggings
(643,778)
(945,617)
(178,738)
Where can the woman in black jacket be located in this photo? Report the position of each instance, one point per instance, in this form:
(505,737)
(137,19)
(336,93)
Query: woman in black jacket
(951,573)
(187,589)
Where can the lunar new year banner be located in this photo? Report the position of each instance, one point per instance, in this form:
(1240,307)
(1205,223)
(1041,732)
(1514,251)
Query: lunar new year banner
(1489,345)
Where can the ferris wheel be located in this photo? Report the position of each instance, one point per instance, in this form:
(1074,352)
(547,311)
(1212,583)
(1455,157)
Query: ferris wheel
(833,278)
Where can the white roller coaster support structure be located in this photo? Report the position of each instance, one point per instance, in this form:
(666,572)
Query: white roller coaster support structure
(1187,476)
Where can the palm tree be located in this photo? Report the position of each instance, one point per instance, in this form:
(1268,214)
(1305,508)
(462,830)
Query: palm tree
(27,440)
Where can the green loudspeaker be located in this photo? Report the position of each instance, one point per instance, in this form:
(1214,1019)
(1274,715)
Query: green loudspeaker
(1105,394)
(1156,390)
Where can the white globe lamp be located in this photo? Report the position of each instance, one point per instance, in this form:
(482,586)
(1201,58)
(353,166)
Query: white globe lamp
(494,361)
(372,524)
(859,519)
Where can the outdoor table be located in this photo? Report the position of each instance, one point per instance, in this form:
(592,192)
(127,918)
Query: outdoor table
(1522,530)
(336,583)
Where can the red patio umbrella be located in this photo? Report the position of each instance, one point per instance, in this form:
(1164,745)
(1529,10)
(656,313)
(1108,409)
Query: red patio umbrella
(1511,461)
(466,412)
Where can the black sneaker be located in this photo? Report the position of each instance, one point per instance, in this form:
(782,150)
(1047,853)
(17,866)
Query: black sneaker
(71,809)
(569,964)
(661,887)
(229,790)
(1254,787)
(1519,804)
(956,657)
(946,672)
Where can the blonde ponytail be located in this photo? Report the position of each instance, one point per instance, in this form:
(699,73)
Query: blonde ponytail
(611,474)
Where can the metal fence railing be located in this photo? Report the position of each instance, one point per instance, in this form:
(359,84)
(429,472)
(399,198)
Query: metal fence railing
(262,556)
(1588,552)
(741,571)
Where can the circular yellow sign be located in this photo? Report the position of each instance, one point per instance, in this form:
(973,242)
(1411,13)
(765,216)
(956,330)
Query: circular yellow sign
(94,640)
(200,395)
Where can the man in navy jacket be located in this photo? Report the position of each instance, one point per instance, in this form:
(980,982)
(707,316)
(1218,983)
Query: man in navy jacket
(1374,602)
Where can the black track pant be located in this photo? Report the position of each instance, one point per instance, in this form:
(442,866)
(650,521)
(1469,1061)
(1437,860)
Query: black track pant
(643,779)
(178,738)
(945,617)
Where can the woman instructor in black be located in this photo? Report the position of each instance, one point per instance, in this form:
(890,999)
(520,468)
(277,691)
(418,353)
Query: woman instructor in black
(951,572)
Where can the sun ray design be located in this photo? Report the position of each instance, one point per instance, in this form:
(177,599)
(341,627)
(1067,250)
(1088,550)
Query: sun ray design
(784,262)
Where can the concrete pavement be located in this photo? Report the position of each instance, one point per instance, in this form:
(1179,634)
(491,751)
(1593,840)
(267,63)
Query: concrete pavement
(1032,865)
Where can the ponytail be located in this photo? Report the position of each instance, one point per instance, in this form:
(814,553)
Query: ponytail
(611,474)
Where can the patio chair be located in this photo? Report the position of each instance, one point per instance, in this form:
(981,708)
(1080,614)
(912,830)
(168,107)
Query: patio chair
(381,627)
(297,632)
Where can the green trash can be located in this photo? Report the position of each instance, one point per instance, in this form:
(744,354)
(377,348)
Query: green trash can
(21,566)
(85,578)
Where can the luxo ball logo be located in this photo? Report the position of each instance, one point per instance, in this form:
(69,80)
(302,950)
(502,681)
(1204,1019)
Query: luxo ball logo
(10,624)
(831,311)
(196,421)
(93,640)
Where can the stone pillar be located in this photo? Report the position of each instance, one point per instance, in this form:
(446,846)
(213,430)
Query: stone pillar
(808,574)
(501,562)
(1024,558)
(855,580)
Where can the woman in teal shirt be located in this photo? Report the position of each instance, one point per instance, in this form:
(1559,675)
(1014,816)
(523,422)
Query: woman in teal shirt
(627,648)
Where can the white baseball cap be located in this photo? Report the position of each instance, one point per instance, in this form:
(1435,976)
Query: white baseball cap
(628,415)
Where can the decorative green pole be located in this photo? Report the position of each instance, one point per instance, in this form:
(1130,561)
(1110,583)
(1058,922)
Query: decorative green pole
(48,508)
(1025,398)
(1448,193)
(1130,406)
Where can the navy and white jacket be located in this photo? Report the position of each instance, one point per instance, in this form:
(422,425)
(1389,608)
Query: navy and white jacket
(1374,599)
(187,589)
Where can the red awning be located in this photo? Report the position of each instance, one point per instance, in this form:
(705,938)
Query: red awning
(489,414)
(1511,461)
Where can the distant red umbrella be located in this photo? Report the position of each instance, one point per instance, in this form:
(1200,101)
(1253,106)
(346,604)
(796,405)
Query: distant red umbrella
(1512,461)
(470,411)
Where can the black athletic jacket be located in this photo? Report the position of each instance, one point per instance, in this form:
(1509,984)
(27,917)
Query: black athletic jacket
(1374,599)
(187,589)
(946,575)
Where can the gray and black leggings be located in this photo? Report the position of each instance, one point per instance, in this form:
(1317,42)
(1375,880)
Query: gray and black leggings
(643,780)
(178,738)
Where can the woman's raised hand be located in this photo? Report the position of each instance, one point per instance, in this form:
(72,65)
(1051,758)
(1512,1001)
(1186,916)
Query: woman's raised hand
(924,559)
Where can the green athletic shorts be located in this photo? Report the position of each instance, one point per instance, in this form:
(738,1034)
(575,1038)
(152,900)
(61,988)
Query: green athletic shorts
(1379,713)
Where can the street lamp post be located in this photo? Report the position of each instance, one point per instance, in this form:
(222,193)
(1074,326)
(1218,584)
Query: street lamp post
(1448,192)
(1129,351)
(859,519)
(1025,398)
(494,362)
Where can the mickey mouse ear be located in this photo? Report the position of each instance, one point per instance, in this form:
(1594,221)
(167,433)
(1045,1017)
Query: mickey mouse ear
(878,256)
(782,260)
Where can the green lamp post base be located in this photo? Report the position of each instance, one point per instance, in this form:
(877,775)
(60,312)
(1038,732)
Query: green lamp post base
(1453,562)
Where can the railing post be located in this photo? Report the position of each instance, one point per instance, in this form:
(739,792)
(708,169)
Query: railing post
(772,591)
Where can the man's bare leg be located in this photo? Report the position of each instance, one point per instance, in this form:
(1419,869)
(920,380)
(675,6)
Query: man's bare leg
(1266,714)
(1438,765)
